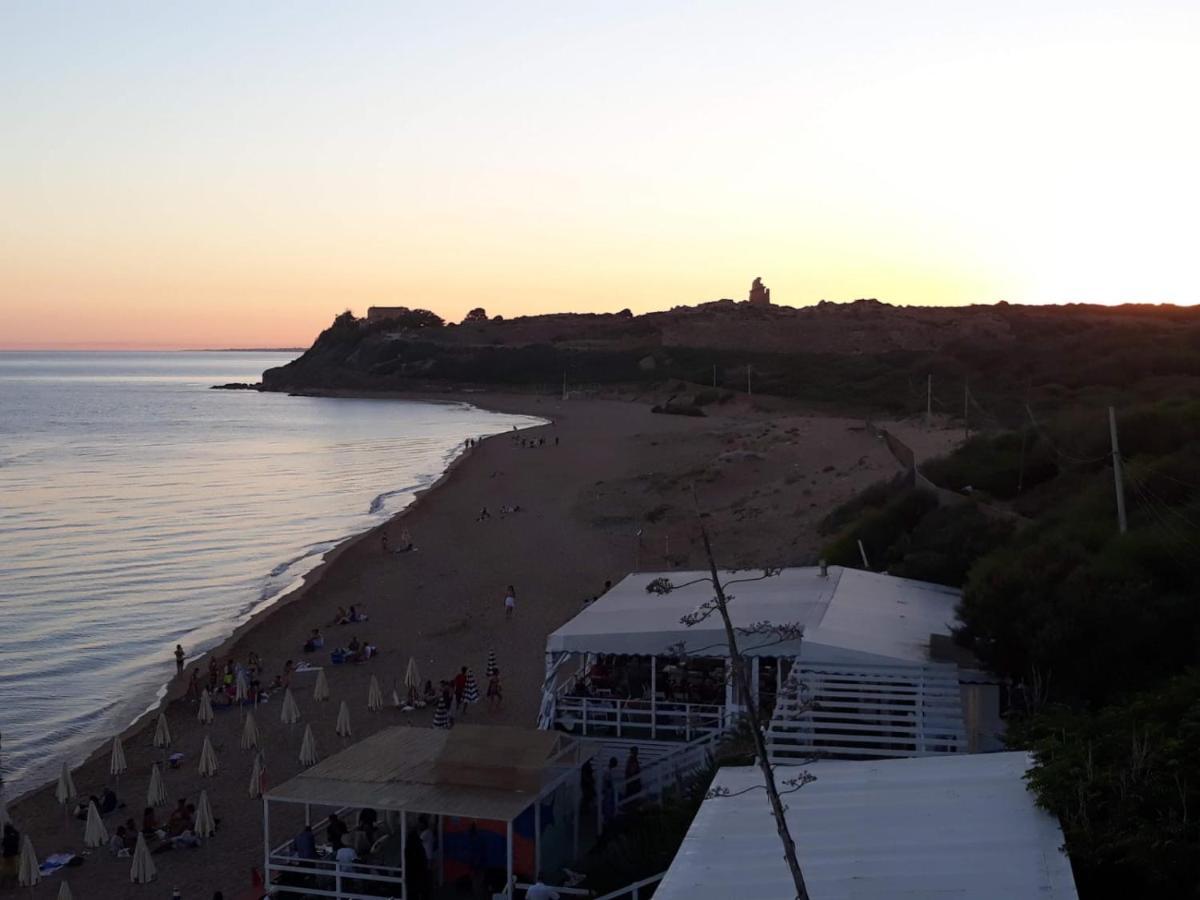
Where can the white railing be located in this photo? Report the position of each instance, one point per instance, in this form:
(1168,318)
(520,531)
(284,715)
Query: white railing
(629,892)
(633,891)
(655,720)
(869,711)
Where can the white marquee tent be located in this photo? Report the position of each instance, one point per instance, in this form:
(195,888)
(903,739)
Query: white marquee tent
(849,616)
(900,829)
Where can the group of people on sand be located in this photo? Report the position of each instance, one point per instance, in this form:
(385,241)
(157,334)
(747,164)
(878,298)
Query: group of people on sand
(176,832)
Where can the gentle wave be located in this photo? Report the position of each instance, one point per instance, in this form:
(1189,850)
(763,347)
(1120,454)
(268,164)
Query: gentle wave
(143,510)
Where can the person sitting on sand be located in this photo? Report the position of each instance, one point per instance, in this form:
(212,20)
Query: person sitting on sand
(315,641)
(108,801)
(339,617)
(483,514)
(81,808)
(149,822)
(428,694)
(117,842)
(356,616)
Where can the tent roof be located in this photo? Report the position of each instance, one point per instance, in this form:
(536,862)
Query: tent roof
(476,771)
(848,616)
(962,827)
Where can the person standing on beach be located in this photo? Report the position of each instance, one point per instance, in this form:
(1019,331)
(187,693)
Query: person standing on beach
(495,693)
(460,685)
(179,657)
(510,602)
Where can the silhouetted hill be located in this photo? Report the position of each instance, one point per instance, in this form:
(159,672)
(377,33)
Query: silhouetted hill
(864,353)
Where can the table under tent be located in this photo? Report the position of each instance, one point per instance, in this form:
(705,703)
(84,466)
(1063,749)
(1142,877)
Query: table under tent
(503,802)
(874,672)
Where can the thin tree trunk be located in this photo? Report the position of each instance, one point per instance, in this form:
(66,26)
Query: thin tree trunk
(760,744)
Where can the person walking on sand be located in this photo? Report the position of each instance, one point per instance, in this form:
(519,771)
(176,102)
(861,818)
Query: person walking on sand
(495,692)
(510,602)
(460,685)
(179,657)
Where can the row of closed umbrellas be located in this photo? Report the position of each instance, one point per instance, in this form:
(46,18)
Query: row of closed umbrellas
(142,869)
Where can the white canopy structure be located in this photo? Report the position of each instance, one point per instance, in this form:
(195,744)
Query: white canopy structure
(495,774)
(864,671)
(848,615)
(950,826)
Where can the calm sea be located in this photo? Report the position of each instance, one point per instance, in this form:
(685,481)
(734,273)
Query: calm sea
(139,509)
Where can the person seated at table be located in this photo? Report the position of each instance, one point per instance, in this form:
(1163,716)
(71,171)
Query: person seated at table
(304,844)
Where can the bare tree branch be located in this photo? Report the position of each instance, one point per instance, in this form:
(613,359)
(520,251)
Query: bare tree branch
(720,604)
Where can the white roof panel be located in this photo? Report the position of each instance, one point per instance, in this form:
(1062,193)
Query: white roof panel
(848,616)
(962,827)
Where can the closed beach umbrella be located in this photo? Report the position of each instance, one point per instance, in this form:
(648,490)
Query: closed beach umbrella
(471,691)
(94,833)
(412,678)
(65,789)
(321,688)
(308,748)
(249,733)
(343,721)
(290,713)
(162,732)
(396,696)
(256,777)
(491,669)
(156,794)
(374,696)
(208,759)
(441,714)
(206,826)
(241,688)
(64,892)
(117,766)
(141,870)
(205,714)
(27,869)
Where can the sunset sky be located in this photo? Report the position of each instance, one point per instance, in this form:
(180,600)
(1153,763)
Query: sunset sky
(234,174)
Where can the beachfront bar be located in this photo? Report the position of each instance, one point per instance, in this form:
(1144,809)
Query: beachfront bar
(842,662)
(504,802)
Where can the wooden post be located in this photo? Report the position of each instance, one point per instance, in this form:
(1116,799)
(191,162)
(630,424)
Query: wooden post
(403,856)
(508,885)
(1122,525)
(537,835)
(266,842)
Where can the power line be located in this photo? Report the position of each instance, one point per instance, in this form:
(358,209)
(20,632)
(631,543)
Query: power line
(1078,460)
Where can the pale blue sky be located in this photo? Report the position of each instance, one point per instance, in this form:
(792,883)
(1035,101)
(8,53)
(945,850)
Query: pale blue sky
(224,172)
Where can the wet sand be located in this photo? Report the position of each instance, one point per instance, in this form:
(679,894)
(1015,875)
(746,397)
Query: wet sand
(764,476)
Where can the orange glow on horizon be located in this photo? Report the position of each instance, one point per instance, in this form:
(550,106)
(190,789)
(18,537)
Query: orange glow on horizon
(169,181)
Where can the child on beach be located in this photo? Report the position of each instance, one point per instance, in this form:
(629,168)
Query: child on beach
(510,602)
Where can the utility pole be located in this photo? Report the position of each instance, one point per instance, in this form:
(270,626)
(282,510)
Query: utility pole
(929,401)
(1116,458)
(966,420)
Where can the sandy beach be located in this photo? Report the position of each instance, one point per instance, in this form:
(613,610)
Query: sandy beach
(765,475)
